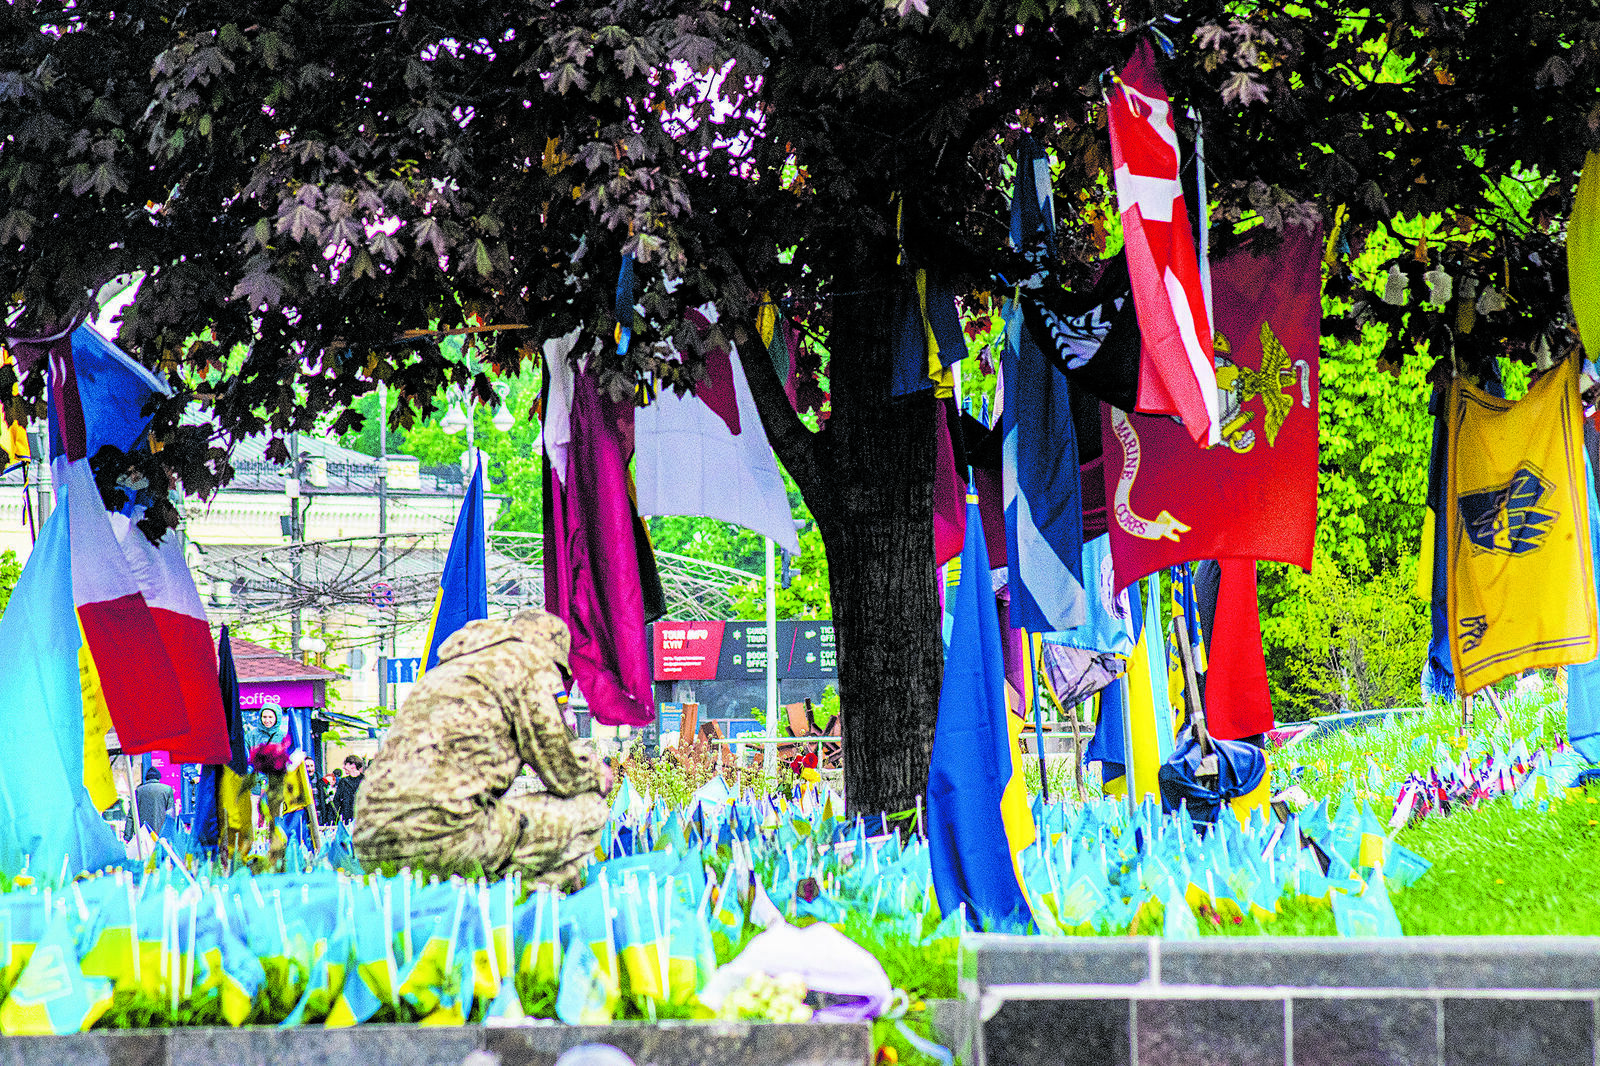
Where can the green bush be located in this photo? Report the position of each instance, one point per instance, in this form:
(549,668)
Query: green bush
(10,572)
(1342,639)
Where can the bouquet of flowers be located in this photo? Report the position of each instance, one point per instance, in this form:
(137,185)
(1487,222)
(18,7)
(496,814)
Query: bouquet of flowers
(271,761)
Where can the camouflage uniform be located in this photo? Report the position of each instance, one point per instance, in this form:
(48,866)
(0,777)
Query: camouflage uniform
(435,798)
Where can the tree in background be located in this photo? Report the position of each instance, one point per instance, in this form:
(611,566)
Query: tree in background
(317,178)
(10,572)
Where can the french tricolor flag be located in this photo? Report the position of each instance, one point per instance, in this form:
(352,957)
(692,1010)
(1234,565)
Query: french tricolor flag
(146,642)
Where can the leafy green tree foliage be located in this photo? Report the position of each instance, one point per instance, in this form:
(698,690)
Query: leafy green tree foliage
(10,571)
(515,465)
(313,179)
(809,594)
(1341,639)
(712,541)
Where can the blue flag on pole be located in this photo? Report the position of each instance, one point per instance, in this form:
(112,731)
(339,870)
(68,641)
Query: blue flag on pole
(464,585)
(1583,682)
(1043,494)
(974,784)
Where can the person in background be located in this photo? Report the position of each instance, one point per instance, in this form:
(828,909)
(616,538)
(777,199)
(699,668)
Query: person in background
(326,789)
(153,801)
(344,793)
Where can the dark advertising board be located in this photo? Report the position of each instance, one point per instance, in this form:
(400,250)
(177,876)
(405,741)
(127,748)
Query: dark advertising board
(811,651)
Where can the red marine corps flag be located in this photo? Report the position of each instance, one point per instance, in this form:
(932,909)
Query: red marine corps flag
(1254,496)
(1175,373)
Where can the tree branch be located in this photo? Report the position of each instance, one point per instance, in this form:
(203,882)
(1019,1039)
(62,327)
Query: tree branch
(802,451)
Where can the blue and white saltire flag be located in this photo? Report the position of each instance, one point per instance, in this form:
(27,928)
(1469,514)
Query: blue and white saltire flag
(1108,614)
(1042,491)
(464,586)
(978,817)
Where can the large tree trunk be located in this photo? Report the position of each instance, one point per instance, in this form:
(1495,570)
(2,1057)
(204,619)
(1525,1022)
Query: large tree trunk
(868,479)
(878,531)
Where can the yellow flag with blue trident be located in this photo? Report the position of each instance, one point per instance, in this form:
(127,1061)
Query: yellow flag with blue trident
(53,996)
(1521,569)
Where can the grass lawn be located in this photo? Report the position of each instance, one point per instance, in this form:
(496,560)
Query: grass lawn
(1498,870)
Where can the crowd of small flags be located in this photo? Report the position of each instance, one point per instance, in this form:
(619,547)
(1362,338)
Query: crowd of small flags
(672,891)
(1464,775)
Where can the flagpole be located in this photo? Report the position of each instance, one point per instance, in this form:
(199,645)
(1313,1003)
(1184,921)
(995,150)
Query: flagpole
(1035,651)
(772,645)
(1127,731)
(383,544)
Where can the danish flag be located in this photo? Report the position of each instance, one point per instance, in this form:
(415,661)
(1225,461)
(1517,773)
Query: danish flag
(1176,373)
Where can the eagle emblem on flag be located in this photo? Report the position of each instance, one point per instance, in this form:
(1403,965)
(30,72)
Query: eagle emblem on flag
(1274,383)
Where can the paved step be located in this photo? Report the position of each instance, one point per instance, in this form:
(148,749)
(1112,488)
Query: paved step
(1263,1001)
(663,1044)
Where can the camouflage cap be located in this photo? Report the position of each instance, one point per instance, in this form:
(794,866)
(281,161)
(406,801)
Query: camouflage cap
(547,633)
(545,630)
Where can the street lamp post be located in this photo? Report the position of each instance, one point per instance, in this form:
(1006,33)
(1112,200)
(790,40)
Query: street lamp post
(291,487)
(384,650)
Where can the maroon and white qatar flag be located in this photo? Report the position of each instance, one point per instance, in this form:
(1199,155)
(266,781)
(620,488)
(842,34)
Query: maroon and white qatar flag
(1175,369)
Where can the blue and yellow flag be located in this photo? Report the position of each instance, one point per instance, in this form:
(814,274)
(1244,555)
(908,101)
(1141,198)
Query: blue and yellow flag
(1146,721)
(1521,570)
(53,997)
(464,585)
(978,817)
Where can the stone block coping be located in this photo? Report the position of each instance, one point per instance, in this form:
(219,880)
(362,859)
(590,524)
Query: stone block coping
(663,1044)
(1264,1001)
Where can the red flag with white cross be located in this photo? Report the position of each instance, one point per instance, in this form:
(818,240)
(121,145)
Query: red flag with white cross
(1176,376)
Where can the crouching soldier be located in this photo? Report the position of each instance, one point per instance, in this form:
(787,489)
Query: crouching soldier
(434,797)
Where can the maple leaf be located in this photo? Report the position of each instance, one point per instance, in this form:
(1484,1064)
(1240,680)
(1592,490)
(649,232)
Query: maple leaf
(694,51)
(1211,37)
(429,232)
(259,288)
(300,220)
(1244,89)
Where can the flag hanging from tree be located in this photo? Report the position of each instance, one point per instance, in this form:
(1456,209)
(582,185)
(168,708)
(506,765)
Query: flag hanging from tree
(1255,496)
(1043,492)
(596,570)
(1521,572)
(1176,376)
(103,628)
(706,453)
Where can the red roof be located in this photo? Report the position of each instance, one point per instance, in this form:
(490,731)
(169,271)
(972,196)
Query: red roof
(257,663)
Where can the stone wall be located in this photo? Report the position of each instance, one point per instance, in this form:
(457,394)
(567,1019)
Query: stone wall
(1260,1001)
(664,1044)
